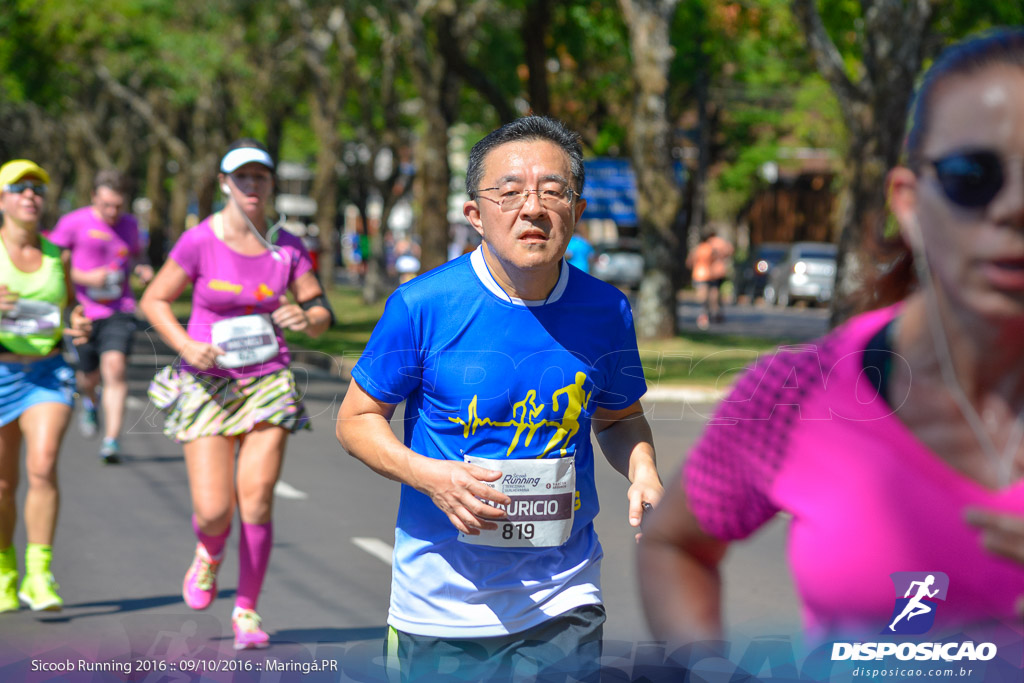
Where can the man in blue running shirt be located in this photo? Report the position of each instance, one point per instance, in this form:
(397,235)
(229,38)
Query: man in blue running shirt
(507,358)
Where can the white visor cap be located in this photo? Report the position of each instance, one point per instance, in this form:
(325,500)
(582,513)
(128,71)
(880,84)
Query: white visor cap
(237,158)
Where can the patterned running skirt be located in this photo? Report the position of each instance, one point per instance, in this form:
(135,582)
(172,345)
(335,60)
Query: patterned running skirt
(199,406)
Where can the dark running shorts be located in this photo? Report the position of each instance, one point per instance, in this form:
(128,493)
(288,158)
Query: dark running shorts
(108,334)
(566,647)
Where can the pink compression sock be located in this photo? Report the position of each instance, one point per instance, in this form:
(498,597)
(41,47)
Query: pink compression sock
(253,557)
(213,544)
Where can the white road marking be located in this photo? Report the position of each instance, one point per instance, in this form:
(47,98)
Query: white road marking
(684,394)
(376,547)
(286,490)
(134,403)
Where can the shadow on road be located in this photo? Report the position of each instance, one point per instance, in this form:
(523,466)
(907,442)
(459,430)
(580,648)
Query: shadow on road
(330,635)
(126,605)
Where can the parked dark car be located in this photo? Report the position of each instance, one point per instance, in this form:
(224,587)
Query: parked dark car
(753,274)
(807,273)
(620,263)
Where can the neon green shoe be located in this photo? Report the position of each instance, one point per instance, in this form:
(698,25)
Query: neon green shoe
(39,592)
(9,591)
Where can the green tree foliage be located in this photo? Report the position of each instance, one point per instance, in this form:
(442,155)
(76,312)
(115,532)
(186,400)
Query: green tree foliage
(767,97)
(158,88)
(871,54)
(30,70)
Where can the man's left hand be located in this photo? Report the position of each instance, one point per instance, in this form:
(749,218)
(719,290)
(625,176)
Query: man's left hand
(626,440)
(644,495)
(144,273)
(80,327)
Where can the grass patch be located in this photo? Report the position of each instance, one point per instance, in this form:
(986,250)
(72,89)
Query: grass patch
(355,322)
(703,359)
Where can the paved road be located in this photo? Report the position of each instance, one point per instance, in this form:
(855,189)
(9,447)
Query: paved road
(124,542)
(761,320)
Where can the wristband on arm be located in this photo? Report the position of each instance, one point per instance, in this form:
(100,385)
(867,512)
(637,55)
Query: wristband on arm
(319,300)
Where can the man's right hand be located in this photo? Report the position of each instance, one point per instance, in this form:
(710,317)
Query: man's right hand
(458,489)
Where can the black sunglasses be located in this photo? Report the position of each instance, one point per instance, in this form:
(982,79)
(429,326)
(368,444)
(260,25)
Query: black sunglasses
(970,179)
(18,188)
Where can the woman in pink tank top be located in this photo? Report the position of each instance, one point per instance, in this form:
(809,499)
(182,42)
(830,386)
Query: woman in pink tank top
(894,444)
(231,397)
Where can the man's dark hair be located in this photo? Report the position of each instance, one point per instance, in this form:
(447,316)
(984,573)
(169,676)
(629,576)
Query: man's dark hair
(111,178)
(527,129)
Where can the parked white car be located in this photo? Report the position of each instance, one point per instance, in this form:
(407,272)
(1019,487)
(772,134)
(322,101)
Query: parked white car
(808,273)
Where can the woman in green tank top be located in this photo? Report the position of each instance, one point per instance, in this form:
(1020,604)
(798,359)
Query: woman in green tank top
(36,384)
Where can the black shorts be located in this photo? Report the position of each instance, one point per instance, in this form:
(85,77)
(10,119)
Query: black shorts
(108,334)
(711,284)
(566,647)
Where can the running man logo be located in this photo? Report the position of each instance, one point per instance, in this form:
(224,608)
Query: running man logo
(914,612)
(525,416)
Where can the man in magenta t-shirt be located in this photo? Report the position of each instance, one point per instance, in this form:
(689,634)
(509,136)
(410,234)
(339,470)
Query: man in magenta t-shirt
(104,243)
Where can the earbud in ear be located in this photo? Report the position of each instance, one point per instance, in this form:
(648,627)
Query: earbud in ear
(225,189)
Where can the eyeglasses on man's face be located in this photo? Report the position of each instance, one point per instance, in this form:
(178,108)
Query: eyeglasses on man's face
(17,188)
(511,199)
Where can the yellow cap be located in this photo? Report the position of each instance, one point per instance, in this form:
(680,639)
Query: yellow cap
(13,171)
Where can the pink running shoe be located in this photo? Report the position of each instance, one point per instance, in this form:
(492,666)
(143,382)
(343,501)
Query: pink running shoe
(200,587)
(248,634)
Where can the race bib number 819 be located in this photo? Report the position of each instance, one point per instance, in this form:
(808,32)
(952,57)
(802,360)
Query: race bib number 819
(541,512)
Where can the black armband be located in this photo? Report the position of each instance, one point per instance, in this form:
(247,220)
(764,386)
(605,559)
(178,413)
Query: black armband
(319,300)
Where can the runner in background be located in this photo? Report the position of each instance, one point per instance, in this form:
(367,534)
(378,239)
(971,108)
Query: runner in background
(231,398)
(104,245)
(407,259)
(709,262)
(580,252)
(36,385)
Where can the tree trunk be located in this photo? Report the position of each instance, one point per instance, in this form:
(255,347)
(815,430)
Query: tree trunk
(699,181)
(536,19)
(320,36)
(430,188)
(325,181)
(179,205)
(658,196)
(156,172)
(78,152)
(897,40)
(433,175)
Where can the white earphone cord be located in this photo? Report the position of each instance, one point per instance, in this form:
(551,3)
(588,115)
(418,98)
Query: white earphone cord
(271,231)
(1003,462)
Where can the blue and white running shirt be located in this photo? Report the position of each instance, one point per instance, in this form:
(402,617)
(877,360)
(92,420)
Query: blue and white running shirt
(487,375)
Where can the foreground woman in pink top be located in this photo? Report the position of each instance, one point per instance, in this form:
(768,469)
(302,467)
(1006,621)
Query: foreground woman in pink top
(231,390)
(894,443)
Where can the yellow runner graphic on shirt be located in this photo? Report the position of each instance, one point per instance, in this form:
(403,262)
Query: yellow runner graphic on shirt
(525,414)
